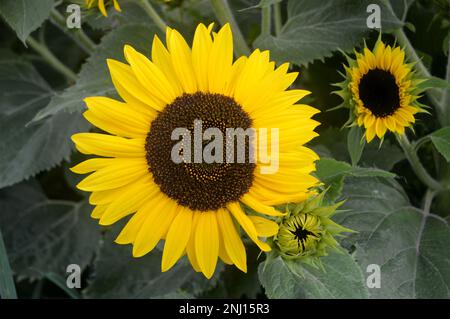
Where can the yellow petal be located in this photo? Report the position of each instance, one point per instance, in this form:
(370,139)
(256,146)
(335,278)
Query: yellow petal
(220,60)
(207,243)
(247,225)
(181,58)
(98,211)
(91,165)
(231,240)
(190,248)
(129,201)
(150,76)
(108,145)
(160,212)
(128,86)
(115,175)
(131,229)
(101,6)
(253,203)
(264,227)
(161,57)
(177,238)
(201,47)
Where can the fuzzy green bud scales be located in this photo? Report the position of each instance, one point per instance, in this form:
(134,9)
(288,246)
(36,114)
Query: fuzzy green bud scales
(307,231)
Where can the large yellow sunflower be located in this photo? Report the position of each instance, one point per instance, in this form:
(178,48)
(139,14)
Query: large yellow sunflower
(102,5)
(382,90)
(196,208)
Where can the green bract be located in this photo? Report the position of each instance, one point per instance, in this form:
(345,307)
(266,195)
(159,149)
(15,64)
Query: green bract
(307,232)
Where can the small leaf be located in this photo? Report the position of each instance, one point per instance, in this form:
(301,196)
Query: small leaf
(290,279)
(355,144)
(441,140)
(25,16)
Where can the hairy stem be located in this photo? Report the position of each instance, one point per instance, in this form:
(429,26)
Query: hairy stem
(416,165)
(151,12)
(51,59)
(265,20)
(277,18)
(224,15)
(77,34)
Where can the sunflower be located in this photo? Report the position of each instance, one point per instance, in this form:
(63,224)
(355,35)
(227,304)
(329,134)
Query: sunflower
(381,90)
(197,208)
(102,6)
(307,231)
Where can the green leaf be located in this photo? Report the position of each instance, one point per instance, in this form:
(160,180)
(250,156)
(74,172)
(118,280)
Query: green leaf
(119,275)
(7,287)
(28,149)
(44,235)
(315,29)
(333,143)
(355,144)
(368,200)
(434,83)
(410,247)
(292,279)
(94,78)
(25,16)
(333,172)
(441,140)
(416,262)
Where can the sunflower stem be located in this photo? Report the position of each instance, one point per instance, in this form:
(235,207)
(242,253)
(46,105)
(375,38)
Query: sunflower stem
(265,20)
(51,59)
(421,68)
(277,18)
(77,35)
(416,165)
(428,200)
(445,99)
(151,12)
(224,15)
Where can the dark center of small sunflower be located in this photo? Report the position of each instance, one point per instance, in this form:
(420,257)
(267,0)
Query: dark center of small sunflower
(199,185)
(379,92)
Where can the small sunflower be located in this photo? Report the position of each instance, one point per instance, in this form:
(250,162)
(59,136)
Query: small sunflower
(195,207)
(307,232)
(101,4)
(381,90)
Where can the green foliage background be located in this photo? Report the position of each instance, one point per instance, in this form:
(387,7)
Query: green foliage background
(44,220)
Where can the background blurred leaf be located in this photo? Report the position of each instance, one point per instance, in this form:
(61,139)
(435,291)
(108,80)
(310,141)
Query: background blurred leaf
(441,140)
(7,287)
(333,172)
(94,78)
(355,144)
(117,274)
(44,235)
(411,248)
(314,29)
(333,143)
(25,16)
(28,149)
(291,279)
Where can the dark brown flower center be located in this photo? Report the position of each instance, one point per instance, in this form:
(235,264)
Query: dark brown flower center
(379,92)
(199,185)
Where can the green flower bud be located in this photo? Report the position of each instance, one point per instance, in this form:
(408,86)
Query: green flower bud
(307,231)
